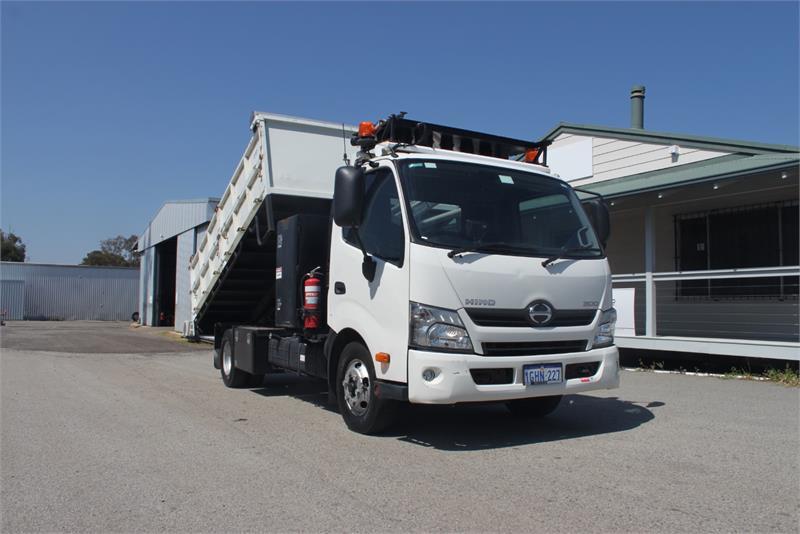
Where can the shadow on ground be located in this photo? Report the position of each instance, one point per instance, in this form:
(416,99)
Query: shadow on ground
(469,427)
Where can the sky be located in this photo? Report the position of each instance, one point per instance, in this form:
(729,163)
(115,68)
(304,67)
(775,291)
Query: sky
(109,109)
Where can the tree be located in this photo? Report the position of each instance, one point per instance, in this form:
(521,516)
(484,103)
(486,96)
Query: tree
(115,251)
(11,247)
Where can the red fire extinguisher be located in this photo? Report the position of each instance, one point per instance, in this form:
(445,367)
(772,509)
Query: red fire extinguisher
(312,291)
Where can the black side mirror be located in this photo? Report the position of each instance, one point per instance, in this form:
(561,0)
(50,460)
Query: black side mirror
(597,211)
(368,267)
(348,196)
(348,204)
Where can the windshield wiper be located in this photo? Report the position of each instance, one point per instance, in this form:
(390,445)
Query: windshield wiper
(565,251)
(480,247)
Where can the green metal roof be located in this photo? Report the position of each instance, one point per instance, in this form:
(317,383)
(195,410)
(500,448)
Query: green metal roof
(708,170)
(649,136)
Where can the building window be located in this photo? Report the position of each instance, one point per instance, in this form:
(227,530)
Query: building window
(763,235)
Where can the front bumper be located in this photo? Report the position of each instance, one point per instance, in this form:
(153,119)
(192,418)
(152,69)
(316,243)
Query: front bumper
(454,383)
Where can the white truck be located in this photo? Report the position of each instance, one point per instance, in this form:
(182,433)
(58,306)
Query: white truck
(435,265)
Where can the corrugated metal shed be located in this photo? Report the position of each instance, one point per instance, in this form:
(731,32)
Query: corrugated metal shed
(72,292)
(186,221)
(12,299)
(176,217)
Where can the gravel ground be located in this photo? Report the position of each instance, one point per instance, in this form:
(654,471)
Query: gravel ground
(108,428)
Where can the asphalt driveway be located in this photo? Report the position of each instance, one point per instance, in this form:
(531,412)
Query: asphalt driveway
(96,438)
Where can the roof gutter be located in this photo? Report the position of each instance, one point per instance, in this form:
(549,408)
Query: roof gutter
(706,179)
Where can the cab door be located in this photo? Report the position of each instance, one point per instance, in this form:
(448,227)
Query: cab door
(377,310)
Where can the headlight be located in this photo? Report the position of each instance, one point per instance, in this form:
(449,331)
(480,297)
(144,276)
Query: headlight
(437,328)
(604,336)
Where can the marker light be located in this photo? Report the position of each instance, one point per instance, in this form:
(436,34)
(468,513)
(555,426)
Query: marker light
(382,357)
(366,129)
(531,154)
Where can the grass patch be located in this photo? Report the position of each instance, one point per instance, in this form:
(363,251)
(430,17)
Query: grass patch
(786,376)
(654,365)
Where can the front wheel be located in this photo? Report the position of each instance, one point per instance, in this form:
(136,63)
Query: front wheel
(361,410)
(534,407)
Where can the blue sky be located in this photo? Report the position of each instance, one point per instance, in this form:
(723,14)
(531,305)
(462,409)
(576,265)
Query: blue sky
(110,109)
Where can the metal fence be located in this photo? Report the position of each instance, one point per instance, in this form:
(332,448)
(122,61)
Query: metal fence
(67,292)
(744,304)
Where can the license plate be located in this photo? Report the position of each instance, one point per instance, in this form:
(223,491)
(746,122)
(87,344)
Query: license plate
(541,373)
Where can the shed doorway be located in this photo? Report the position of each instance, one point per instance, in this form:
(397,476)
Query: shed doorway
(166,264)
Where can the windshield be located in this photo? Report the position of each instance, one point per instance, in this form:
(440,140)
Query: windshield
(466,206)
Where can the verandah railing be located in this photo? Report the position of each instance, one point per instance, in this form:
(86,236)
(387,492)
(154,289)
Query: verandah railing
(754,304)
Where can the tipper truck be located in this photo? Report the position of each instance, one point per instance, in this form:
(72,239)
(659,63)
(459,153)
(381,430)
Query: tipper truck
(405,261)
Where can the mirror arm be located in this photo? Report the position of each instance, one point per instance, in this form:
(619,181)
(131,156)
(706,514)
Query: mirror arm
(368,265)
(603,239)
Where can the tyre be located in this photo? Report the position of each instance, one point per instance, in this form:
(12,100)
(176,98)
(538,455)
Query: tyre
(231,376)
(256,381)
(361,410)
(535,407)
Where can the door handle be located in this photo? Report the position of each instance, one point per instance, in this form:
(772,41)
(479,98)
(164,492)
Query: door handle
(339,288)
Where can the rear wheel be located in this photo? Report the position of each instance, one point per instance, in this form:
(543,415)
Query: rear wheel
(534,407)
(231,376)
(361,410)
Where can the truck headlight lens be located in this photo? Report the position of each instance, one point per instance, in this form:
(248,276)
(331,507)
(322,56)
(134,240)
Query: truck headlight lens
(437,328)
(604,336)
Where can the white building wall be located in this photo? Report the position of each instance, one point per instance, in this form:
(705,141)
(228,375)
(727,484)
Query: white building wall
(570,156)
(614,158)
(583,160)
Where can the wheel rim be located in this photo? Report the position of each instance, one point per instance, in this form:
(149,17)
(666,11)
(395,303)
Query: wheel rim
(227,359)
(356,385)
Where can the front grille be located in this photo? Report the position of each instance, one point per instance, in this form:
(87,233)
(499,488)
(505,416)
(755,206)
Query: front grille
(520,318)
(485,377)
(529,348)
(581,370)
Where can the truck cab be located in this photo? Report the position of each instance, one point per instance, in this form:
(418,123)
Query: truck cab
(458,269)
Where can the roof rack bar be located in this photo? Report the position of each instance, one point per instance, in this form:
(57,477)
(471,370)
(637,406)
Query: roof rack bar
(397,129)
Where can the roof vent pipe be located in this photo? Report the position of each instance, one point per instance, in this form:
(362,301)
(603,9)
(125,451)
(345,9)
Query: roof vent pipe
(637,107)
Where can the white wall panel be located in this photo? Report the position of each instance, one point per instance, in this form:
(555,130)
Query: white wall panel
(585,160)
(614,158)
(186,245)
(571,157)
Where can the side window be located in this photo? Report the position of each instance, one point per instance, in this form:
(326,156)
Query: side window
(381,230)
